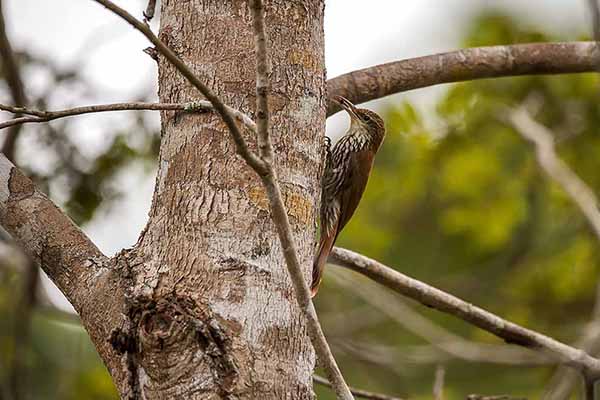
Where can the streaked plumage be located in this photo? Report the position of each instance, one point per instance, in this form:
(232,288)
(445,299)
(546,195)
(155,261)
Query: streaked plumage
(345,176)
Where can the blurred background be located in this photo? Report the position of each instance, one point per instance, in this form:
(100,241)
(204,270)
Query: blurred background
(456,198)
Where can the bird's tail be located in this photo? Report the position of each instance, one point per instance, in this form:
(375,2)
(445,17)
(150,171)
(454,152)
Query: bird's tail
(325,246)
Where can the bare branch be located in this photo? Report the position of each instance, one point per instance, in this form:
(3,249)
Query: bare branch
(589,389)
(543,140)
(46,116)
(15,84)
(595,13)
(22,316)
(363,394)
(223,110)
(435,298)
(279,214)
(66,254)
(262,81)
(344,324)
(500,354)
(564,380)
(439,337)
(150,9)
(587,202)
(463,65)
(438,383)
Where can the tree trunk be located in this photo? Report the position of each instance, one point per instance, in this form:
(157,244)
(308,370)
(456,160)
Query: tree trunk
(211,308)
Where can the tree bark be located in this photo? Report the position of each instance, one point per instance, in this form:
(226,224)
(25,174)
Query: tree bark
(86,277)
(211,307)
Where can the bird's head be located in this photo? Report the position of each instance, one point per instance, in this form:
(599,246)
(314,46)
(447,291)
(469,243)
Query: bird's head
(363,119)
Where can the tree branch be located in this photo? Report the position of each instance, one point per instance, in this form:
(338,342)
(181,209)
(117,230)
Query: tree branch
(435,298)
(22,331)
(262,81)
(563,381)
(463,65)
(46,116)
(357,392)
(595,13)
(438,383)
(439,337)
(12,258)
(586,200)
(51,239)
(223,110)
(10,68)
(498,354)
(543,140)
(150,9)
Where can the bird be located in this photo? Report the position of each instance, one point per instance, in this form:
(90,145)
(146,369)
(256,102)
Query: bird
(345,175)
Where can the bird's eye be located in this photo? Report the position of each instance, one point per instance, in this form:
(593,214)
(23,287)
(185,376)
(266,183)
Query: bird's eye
(366,118)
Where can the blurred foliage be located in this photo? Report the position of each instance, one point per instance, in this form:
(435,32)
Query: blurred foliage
(458,202)
(78,177)
(461,203)
(61,361)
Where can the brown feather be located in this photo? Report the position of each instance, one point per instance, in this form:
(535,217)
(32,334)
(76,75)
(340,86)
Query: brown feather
(358,176)
(325,246)
(345,177)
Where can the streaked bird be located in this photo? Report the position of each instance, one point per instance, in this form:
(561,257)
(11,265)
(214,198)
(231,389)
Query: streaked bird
(345,176)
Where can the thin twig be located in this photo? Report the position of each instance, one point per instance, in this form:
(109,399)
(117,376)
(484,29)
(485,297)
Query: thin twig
(262,81)
(595,13)
(543,140)
(15,85)
(279,214)
(357,392)
(344,324)
(223,110)
(22,328)
(438,383)
(11,257)
(586,200)
(589,386)
(435,298)
(388,355)
(150,9)
(439,337)
(564,380)
(46,116)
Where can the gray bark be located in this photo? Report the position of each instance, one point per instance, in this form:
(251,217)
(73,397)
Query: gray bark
(212,309)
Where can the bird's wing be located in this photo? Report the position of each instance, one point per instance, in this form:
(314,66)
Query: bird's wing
(355,182)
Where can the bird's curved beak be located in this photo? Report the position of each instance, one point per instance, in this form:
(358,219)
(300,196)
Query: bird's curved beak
(346,105)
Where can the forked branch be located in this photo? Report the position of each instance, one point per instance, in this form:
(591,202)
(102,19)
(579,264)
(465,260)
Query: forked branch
(46,116)
(221,108)
(359,393)
(558,171)
(435,298)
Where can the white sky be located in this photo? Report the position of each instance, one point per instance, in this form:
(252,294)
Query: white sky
(357,35)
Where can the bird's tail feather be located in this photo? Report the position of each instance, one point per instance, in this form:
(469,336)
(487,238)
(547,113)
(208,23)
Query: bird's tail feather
(325,246)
